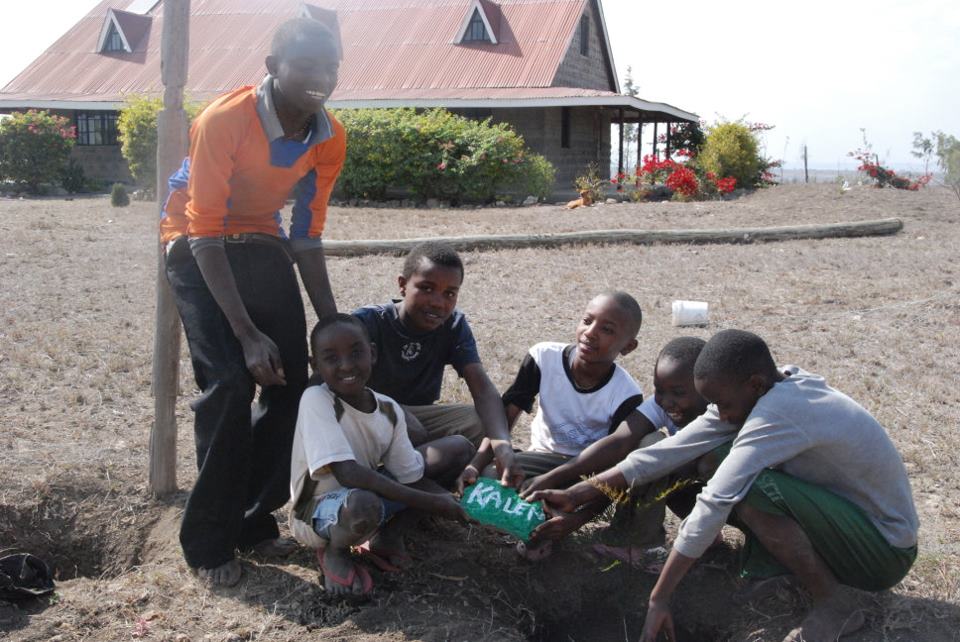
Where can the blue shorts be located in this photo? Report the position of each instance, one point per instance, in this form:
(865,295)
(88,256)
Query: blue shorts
(327,513)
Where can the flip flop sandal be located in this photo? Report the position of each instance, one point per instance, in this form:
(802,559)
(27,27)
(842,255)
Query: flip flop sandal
(366,581)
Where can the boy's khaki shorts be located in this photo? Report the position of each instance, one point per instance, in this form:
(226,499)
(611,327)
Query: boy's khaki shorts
(443,420)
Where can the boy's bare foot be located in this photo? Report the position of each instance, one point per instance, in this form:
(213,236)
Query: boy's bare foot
(831,618)
(227,574)
(388,544)
(341,576)
(275,547)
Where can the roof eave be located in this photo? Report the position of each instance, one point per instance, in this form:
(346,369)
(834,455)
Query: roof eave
(627,102)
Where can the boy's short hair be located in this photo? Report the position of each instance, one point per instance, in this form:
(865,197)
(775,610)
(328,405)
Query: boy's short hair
(436,252)
(334,319)
(299,29)
(734,353)
(683,350)
(631,308)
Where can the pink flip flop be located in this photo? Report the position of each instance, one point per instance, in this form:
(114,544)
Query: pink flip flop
(356,569)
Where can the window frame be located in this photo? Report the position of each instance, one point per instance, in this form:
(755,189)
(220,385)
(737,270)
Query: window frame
(97,128)
(113,43)
(565,128)
(471,34)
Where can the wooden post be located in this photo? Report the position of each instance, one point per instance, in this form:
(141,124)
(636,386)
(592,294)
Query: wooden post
(806,173)
(668,141)
(620,156)
(172,145)
(655,138)
(639,146)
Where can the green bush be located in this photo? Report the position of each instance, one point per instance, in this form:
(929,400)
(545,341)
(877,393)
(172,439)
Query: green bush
(119,196)
(137,127)
(34,148)
(732,150)
(436,154)
(72,177)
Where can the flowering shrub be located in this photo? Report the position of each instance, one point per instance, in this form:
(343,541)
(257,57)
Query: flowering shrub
(437,154)
(653,170)
(683,181)
(883,176)
(34,147)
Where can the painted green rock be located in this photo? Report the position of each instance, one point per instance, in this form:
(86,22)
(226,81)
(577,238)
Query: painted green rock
(494,505)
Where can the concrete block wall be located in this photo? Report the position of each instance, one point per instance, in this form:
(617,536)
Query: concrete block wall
(588,71)
(589,138)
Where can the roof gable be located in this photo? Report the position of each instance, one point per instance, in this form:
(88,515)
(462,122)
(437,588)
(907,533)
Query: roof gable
(489,14)
(328,18)
(130,26)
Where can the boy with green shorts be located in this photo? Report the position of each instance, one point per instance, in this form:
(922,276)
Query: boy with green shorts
(812,477)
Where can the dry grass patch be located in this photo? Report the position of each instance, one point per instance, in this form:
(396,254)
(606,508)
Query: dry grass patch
(878,317)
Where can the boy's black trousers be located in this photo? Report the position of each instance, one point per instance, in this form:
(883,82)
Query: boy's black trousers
(243,447)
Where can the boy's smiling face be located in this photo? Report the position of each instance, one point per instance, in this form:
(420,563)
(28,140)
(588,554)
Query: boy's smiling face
(344,358)
(675,392)
(429,295)
(603,332)
(306,73)
(734,400)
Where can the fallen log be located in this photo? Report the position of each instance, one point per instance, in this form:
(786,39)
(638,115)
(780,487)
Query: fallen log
(880,227)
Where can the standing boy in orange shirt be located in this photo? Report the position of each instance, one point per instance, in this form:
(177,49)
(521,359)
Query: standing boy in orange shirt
(229,263)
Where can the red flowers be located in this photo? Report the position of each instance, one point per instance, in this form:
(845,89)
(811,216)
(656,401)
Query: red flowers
(683,181)
(726,185)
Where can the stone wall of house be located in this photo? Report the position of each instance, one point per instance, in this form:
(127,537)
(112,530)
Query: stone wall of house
(589,138)
(588,71)
(102,162)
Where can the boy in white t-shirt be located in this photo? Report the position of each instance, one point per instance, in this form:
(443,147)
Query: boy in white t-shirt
(584,395)
(675,403)
(345,433)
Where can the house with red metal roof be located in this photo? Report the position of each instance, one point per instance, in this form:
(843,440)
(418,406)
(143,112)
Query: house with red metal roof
(544,66)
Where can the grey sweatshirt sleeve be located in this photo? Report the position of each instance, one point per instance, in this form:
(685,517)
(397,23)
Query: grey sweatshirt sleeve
(699,437)
(765,441)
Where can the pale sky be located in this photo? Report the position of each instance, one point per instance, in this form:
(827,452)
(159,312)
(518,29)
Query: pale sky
(817,70)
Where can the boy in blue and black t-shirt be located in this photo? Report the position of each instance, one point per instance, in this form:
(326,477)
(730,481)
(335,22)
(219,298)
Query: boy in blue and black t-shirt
(416,337)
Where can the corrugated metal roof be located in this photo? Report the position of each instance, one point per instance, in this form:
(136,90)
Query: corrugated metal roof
(393,51)
(388,44)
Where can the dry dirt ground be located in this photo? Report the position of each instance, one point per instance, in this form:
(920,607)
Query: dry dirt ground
(879,317)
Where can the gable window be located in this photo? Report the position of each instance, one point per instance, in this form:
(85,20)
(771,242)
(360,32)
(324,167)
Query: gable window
(584,35)
(96,128)
(476,30)
(565,127)
(113,42)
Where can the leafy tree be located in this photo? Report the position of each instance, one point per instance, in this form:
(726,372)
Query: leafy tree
(34,148)
(138,135)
